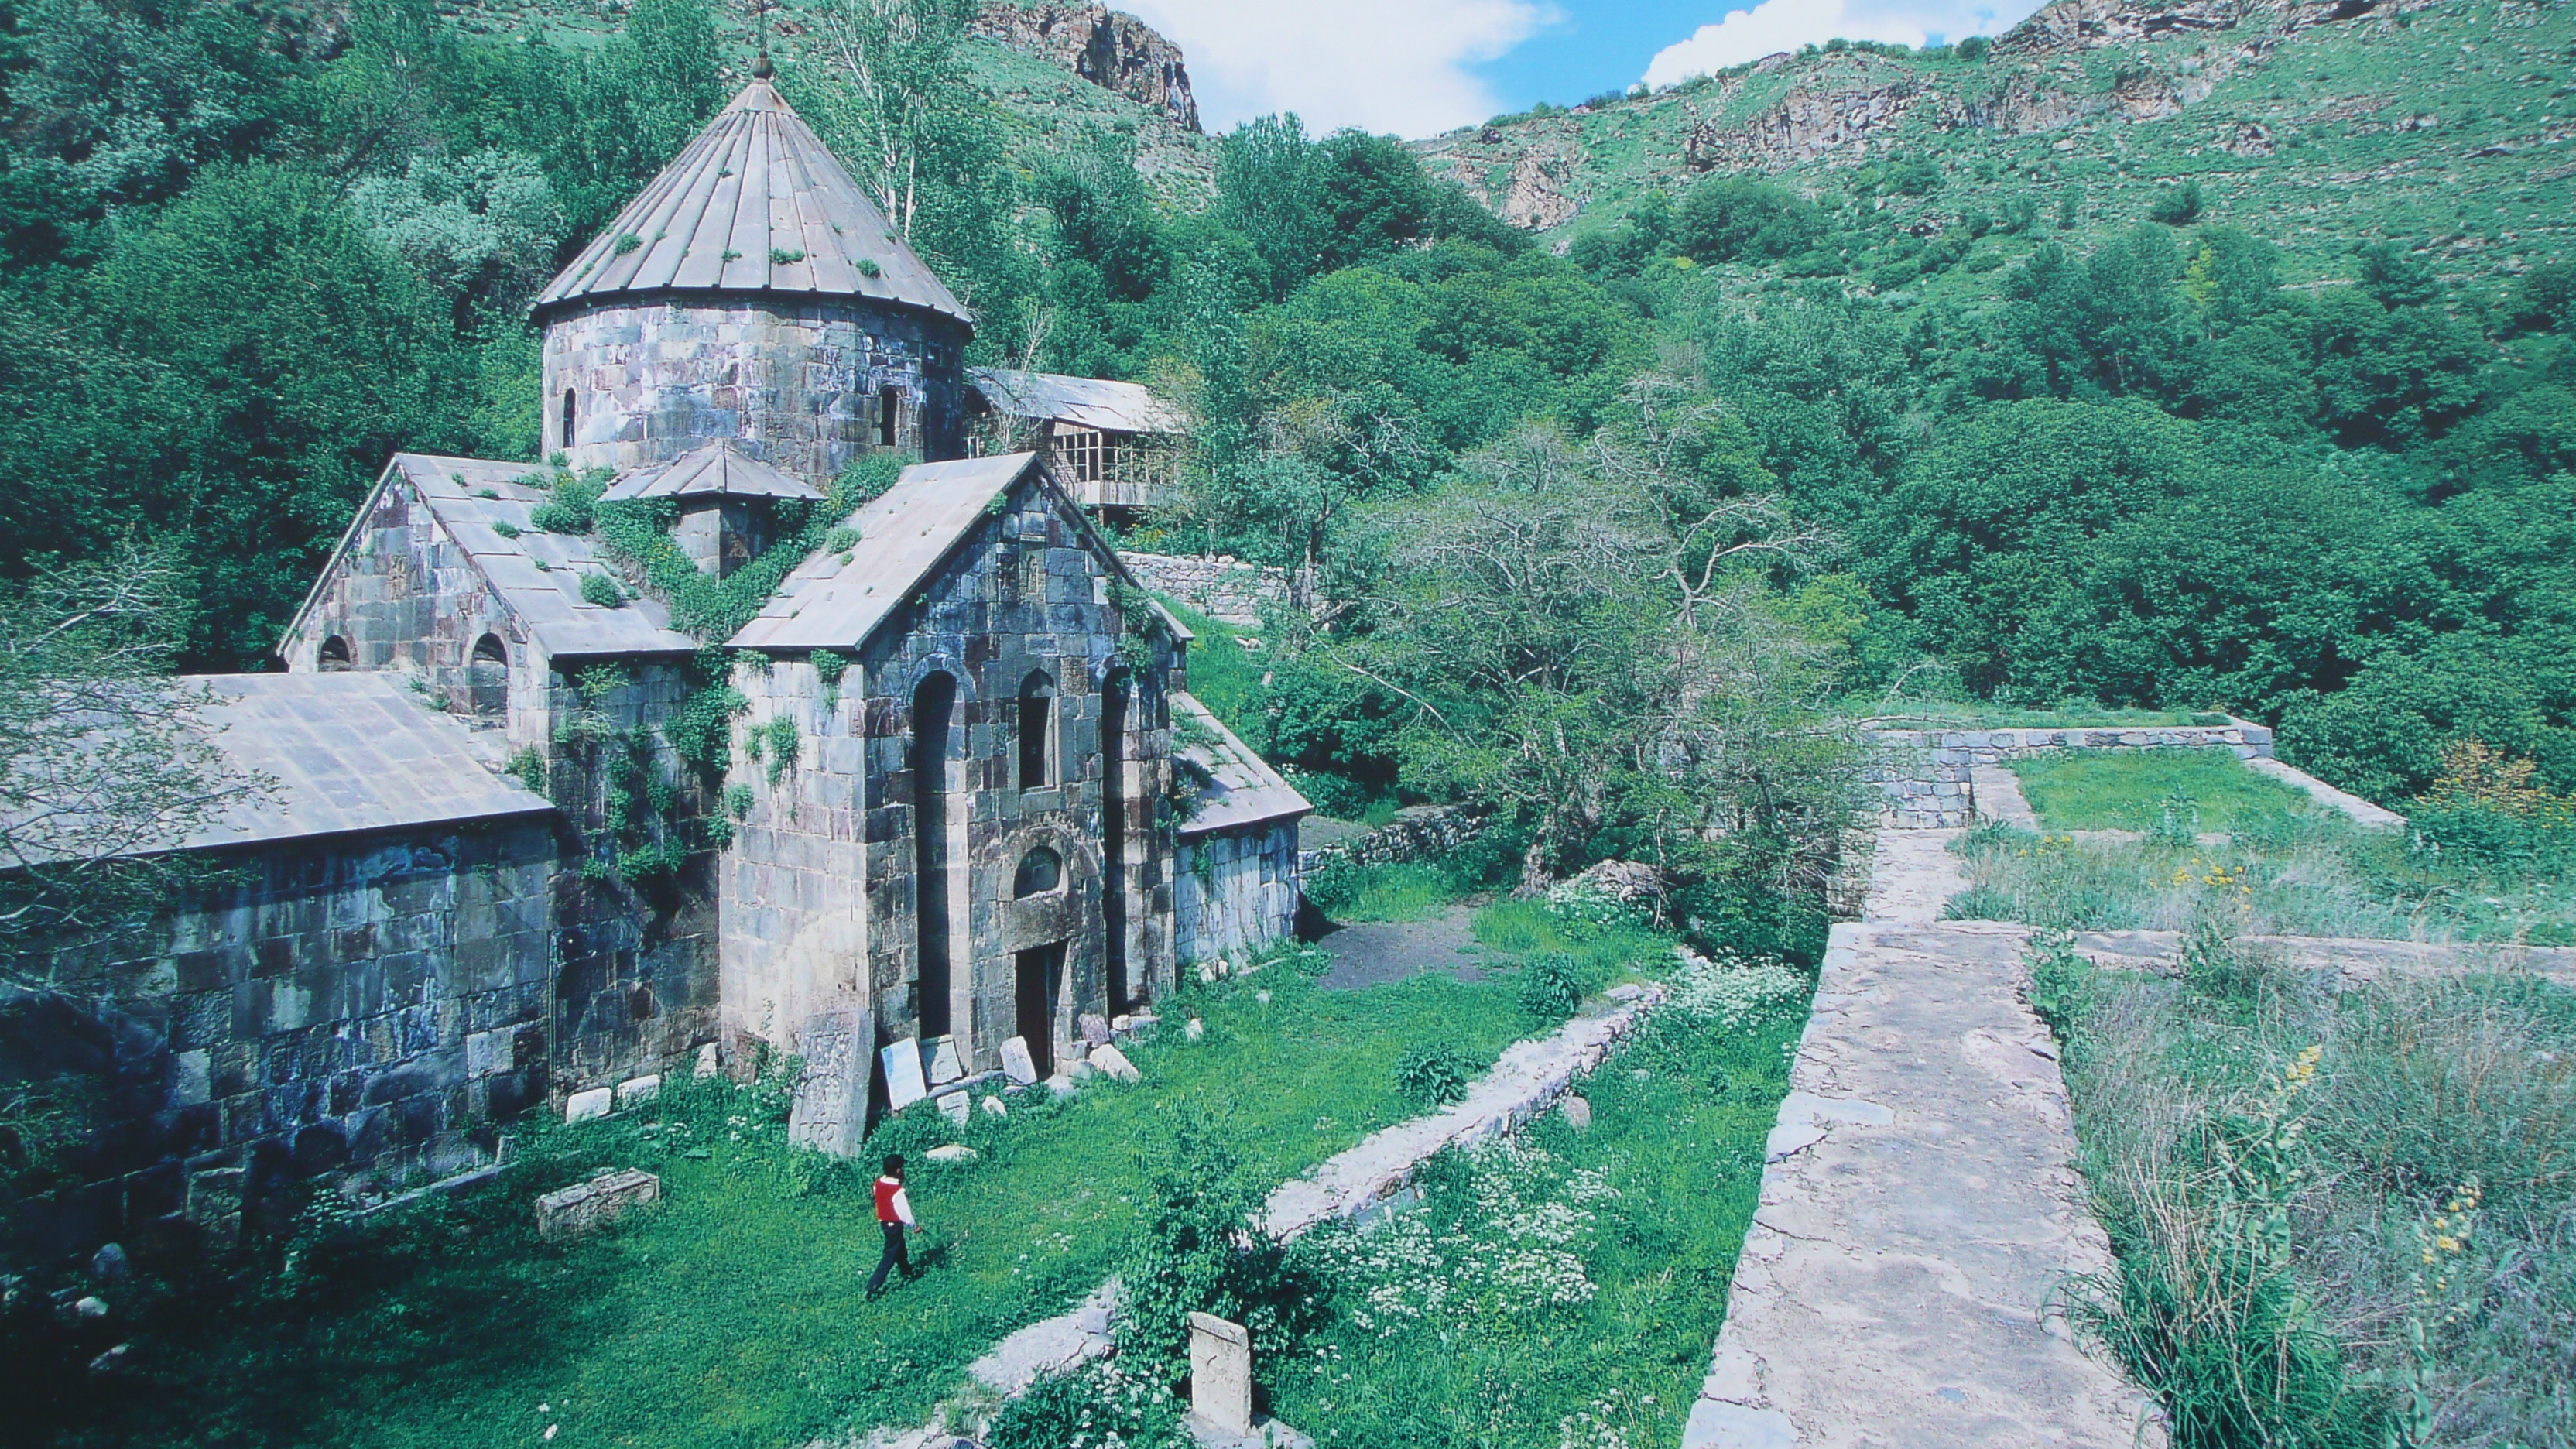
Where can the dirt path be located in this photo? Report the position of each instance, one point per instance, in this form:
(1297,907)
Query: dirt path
(1920,1208)
(1373,953)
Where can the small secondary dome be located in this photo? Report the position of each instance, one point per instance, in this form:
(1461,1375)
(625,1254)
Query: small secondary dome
(718,469)
(756,204)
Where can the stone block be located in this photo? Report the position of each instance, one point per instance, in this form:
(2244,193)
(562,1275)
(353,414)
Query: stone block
(941,1063)
(955,1108)
(1578,1113)
(1221,1374)
(585,1206)
(590,1105)
(1113,1063)
(635,1091)
(1017,1064)
(951,1152)
(993,1107)
(904,1084)
(831,1106)
(707,1066)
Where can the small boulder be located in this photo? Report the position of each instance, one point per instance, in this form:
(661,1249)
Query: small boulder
(1262,996)
(602,1200)
(707,1065)
(589,1106)
(993,1107)
(1061,1085)
(1095,1029)
(1113,1063)
(953,1152)
(112,1360)
(91,1306)
(635,1091)
(109,1262)
(1195,1029)
(1578,1113)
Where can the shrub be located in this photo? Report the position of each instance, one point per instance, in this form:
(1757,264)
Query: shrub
(1550,987)
(2177,205)
(599,588)
(1089,1407)
(1433,1074)
(1200,1247)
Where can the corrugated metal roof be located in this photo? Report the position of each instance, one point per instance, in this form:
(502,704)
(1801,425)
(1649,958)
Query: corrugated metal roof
(756,185)
(719,468)
(547,599)
(828,604)
(1242,789)
(1089,402)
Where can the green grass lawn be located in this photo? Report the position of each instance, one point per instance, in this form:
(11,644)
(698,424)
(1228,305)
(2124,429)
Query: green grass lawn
(731,1314)
(2129,789)
(1564,1289)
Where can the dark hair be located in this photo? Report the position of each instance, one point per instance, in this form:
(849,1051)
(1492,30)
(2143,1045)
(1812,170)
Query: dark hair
(894,1164)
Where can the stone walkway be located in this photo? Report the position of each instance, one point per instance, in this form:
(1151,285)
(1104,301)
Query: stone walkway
(1920,1209)
(1526,1080)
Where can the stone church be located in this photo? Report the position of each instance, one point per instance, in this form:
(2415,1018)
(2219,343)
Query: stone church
(949,779)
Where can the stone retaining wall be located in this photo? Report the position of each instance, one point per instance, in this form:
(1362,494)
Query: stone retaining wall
(1420,832)
(1925,775)
(1223,588)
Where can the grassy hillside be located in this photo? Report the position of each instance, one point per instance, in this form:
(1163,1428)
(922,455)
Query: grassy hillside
(2443,125)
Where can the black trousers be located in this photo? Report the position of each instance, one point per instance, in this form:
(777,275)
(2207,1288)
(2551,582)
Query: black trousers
(895,1256)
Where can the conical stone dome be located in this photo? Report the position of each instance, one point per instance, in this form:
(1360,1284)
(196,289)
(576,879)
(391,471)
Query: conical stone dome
(756,203)
(752,294)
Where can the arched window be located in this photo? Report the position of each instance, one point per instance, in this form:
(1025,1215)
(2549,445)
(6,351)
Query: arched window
(487,677)
(889,415)
(1037,732)
(567,419)
(335,655)
(1041,871)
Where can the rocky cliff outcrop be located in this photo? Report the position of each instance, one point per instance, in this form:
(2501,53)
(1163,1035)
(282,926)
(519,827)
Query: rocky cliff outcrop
(1109,48)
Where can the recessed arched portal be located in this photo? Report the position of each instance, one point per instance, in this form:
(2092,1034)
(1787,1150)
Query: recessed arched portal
(934,708)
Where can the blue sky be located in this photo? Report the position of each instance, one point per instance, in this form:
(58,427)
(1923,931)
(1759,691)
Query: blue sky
(1417,67)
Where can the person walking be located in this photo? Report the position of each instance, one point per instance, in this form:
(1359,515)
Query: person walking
(894,1214)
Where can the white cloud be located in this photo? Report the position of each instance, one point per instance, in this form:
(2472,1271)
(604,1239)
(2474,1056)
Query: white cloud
(1778,25)
(1381,65)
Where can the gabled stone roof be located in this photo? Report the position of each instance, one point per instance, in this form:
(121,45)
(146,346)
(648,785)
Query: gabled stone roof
(835,600)
(756,204)
(537,574)
(1242,789)
(720,468)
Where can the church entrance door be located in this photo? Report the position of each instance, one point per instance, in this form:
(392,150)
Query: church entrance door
(1041,984)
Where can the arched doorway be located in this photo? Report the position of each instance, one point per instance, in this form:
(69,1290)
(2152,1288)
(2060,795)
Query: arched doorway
(487,678)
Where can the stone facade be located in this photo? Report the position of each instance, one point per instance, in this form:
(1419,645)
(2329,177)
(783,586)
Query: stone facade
(370,1004)
(1418,832)
(822,890)
(1237,891)
(1924,775)
(802,385)
(406,597)
(1223,588)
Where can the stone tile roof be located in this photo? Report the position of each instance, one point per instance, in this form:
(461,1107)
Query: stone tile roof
(347,752)
(719,468)
(756,203)
(827,603)
(1241,787)
(537,574)
(1088,402)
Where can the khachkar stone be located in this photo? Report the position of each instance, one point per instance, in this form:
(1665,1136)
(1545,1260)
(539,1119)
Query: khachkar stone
(830,1112)
(904,1085)
(1221,1374)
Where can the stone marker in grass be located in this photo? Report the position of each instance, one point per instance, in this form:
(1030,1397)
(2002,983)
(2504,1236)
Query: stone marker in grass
(1221,1374)
(940,1061)
(904,1085)
(1095,1029)
(1017,1064)
(587,1205)
(586,1106)
(831,1107)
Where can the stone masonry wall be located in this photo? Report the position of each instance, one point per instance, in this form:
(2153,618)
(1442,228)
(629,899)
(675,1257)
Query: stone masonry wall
(820,883)
(371,1004)
(410,599)
(1924,775)
(1419,832)
(1224,589)
(1236,891)
(798,385)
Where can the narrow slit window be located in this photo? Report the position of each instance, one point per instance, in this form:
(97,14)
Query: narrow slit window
(889,414)
(1037,733)
(567,418)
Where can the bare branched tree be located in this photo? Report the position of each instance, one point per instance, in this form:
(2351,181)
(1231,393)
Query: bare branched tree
(105,760)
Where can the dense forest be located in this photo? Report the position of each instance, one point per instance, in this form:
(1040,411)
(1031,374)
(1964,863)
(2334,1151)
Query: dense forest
(250,249)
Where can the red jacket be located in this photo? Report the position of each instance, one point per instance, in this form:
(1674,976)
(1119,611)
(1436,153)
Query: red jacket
(892,1205)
